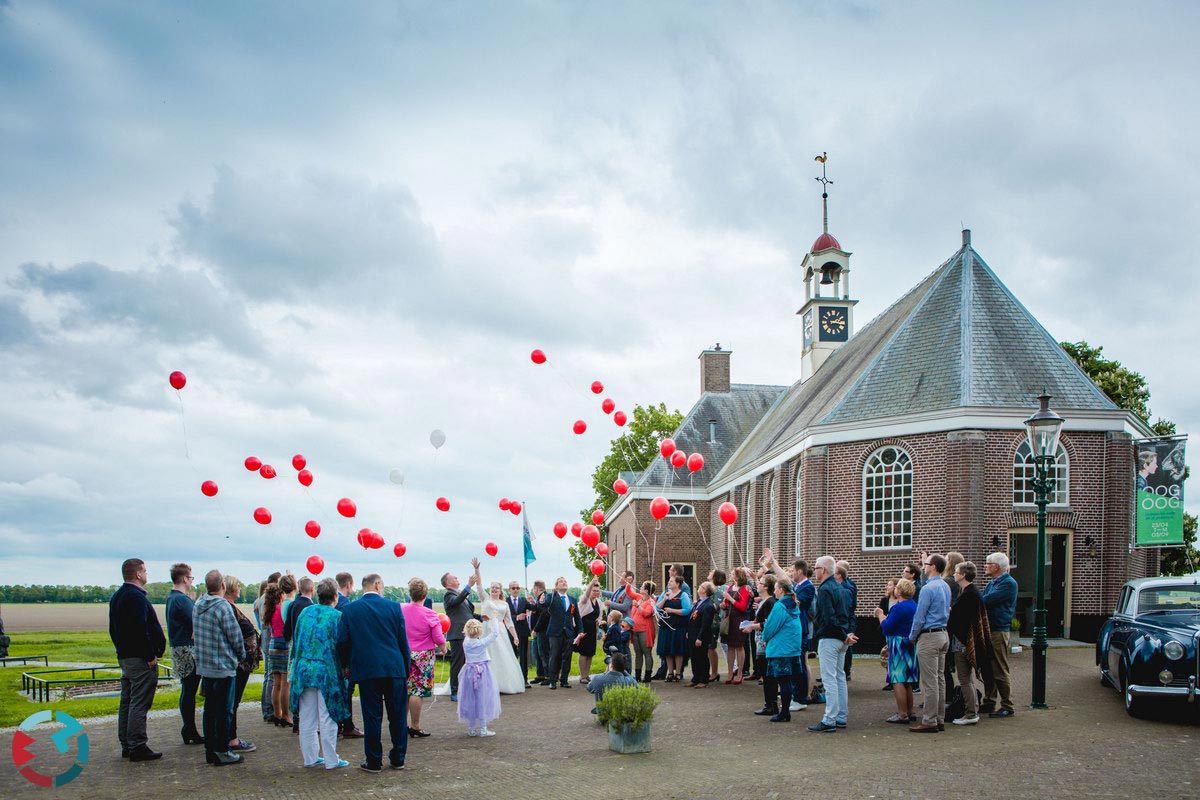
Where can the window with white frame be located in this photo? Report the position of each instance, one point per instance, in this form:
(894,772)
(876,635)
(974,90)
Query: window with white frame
(887,500)
(681,510)
(799,514)
(772,518)
(748,531)
(1024,471)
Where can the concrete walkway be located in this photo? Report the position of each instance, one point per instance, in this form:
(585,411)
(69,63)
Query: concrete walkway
(707,743)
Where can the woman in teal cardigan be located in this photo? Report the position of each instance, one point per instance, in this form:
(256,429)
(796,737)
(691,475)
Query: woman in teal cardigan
(784,639)
(317,692)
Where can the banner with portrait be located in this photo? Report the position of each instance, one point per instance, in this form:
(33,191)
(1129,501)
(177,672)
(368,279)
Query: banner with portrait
(1160,469)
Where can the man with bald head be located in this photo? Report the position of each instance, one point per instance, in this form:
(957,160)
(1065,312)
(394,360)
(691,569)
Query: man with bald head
(831,632)
(219,647)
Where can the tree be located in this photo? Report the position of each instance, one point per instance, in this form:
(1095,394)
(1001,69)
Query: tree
(632,451)
(1128,390)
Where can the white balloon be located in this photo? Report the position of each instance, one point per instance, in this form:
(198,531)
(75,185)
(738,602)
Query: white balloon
(396,477)
(437,439)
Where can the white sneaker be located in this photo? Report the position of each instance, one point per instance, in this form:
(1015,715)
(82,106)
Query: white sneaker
(967,720)
(486,732)
(471,732)
(797,706)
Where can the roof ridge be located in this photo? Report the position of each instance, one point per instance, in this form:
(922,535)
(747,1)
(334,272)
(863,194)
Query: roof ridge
(946,265)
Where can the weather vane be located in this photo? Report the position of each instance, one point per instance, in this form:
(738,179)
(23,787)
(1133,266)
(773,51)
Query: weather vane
(825,184)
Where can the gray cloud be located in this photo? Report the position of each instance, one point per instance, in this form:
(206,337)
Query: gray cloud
(15,327)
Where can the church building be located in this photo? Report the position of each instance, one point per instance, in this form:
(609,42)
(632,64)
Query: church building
(902,436)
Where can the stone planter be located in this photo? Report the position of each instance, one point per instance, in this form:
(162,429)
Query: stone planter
(628,739)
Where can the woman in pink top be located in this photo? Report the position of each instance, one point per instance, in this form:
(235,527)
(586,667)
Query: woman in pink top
(425,641)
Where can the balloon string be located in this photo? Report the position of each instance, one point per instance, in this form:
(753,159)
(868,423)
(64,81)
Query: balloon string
(712,556)
(183,424)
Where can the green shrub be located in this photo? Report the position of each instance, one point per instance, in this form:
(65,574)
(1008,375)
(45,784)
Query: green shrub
(627,705)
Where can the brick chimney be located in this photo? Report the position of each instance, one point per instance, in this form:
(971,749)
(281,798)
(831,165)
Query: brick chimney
(714,370)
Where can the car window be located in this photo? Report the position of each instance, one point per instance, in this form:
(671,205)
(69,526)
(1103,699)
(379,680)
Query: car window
(1169,598)
(1123,604)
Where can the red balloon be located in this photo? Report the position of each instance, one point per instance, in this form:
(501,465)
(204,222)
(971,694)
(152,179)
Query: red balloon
(515,508)
(178,380)
(364,537)
(602,549)
(312,528)
(579,427)
(399,549)
(560,529)
(537,357)
(666,447)
(305,477)
(267,471)
(491,548)
(443,504)
(445,620)
(728,513)
(505,503)
(620,418)
(695,462)
(598,517)
(376,540)
(608,405)
(347,508)
(597,387)
(315,565)
(576,528)
(253,464)
(590,536)
(678,459)
(597,567)
(208,488)
(299,462)
(262,516)
(620,486)
(659,507)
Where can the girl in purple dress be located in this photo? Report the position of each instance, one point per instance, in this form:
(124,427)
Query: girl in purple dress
(478,697)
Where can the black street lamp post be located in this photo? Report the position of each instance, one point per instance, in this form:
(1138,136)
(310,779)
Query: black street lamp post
(1044,428)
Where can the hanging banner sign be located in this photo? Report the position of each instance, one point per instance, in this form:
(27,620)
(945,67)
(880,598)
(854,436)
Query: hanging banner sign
(1159,491)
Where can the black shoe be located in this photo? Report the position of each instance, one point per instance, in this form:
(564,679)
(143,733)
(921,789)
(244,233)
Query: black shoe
(143,753)
(782,716)
(191,737)
(124,752)
(565,685)
(987,708)
(395,765)
(225,759)
(366,766)
(1004,712)
(553,687)
(887,687)
(767,711)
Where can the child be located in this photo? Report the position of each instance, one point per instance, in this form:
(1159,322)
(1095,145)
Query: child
(616,639)
(478,697)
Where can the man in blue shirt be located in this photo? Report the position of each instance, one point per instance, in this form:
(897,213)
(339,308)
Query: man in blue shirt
(1000,600)
(933,643)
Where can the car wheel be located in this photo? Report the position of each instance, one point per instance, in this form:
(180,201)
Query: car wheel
(1136,707)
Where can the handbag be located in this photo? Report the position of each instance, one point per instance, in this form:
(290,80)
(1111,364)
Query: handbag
(724,628)
(883,657)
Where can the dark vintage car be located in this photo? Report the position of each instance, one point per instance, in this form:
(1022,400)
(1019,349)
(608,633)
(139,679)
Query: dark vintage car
(1150,648)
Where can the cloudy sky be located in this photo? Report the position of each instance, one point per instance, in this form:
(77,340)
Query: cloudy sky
(349,225)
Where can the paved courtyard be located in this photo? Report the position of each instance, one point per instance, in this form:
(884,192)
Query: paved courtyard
(706,744)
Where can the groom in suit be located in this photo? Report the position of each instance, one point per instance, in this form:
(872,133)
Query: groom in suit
(457,603)
(564,630)
(372,640)
(518,606)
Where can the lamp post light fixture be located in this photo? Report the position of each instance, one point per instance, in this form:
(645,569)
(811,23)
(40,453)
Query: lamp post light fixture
(1044,428)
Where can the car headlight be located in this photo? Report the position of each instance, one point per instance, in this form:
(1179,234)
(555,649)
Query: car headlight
(1173,650)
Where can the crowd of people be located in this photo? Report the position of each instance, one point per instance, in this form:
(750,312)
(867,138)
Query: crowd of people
(320,647)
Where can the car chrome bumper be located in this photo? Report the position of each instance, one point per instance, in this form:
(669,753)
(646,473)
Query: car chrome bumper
(1190,691)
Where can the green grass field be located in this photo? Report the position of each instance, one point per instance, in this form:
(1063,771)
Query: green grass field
(94,647)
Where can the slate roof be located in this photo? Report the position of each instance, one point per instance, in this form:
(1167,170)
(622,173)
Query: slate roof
(958,339)
(736,413)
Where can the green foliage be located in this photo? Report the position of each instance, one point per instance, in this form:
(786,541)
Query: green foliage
(1183,560)
(1123,386)
(627,705)
(632,451)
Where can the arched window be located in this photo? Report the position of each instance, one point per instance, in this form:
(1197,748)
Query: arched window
(772,517)
(799,515)
(887,500)
(681,510)
(1024,471)
(747,550)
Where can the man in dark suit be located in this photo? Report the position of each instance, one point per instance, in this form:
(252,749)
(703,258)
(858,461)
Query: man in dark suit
(563,630)
(457,603)
(373,641)
(138,636)
(518,606)
(303,601)
(538,604)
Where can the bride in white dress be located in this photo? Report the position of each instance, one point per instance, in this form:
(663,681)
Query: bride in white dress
(506,669)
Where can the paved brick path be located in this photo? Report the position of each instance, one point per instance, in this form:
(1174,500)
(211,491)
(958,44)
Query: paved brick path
(706,744)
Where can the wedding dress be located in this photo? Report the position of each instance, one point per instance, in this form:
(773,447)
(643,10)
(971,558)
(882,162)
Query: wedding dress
(506,669)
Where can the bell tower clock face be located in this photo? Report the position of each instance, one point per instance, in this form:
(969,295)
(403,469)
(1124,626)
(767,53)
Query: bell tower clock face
(834,324)
(808,329)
